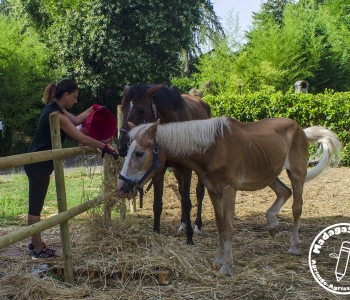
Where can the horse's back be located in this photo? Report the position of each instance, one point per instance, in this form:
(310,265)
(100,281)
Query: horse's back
(196,107)
(171,104)
(264,148)
(281,126)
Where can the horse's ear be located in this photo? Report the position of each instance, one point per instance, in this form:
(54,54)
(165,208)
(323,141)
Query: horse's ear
(154,89)
(131,125)
(175,89)
(151,132)
(126,88)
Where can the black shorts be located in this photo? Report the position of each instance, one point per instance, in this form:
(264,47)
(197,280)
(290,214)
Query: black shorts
(38,186)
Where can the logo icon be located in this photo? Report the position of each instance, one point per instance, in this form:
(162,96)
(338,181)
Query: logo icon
(329,269)
(342,260)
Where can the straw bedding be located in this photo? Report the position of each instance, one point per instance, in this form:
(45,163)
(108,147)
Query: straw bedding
(262,267)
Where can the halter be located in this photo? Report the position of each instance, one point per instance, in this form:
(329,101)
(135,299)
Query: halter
(155,166)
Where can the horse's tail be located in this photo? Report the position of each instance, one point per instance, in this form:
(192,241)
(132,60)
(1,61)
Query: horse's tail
(330,146)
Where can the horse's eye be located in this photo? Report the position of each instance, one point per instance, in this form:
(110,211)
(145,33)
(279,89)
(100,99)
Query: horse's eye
(138,154)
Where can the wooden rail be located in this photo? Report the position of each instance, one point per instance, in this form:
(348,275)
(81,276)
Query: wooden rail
(28,231)
(13,161)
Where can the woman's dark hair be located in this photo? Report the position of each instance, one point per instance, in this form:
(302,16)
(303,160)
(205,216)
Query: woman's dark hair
(55,91)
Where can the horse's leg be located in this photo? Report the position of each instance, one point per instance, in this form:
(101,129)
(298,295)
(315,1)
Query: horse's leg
(228,209)
(186,203)
(217,204)
(283,193)
(224,215)
(200,190)
(297,180)
(158,186)
(179,179)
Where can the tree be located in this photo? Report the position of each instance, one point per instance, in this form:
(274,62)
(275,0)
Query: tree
(271,9)
(23,76)
(311,44)
(4,7)
(103,44)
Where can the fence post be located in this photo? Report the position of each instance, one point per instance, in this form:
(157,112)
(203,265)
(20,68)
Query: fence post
(61,199)
(122,205)
(109,184)
(120,165)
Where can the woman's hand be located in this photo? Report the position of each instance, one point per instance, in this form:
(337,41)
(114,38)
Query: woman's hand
(108,149)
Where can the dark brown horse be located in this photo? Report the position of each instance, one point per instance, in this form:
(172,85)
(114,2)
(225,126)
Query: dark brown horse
(147,103)
(228,156)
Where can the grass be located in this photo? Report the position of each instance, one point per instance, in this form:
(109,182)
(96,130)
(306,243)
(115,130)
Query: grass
(81,185)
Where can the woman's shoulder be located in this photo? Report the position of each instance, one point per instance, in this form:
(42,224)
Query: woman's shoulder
(53,106)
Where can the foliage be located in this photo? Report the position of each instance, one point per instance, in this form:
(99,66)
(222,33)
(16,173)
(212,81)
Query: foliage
(104,44)
(312,49)
(23,75)
(288,42)
(184,84)
(218,69)
(271,9)
(328,109)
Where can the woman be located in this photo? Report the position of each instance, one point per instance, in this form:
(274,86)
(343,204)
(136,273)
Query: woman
(58,98)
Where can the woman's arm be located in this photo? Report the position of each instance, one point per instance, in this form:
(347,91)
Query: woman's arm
(77,120)
(69,128)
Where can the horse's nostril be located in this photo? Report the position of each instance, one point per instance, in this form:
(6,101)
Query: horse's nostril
(122,151)
(126,187)
(122,154)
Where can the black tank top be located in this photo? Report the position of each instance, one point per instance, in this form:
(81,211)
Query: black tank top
(42,140)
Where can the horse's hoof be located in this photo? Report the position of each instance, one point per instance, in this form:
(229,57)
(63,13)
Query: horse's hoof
(197,230)
(218,261)
(190,242)
(226,270)
(293,251)
(273,231)
(182,227)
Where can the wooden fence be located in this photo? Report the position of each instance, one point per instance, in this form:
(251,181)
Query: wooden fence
(57,154)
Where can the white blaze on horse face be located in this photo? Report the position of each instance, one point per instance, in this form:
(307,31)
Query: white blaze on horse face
(130,170)
(131,105)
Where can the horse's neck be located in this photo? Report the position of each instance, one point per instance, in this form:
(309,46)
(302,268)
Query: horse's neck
(187,138)
(167,115)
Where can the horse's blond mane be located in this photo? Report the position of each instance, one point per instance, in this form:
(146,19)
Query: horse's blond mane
(185,138)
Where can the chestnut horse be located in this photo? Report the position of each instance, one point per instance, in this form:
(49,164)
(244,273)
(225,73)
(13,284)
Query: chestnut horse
(228,155)
(147,103)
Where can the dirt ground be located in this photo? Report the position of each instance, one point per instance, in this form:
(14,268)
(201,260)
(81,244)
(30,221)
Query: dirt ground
(262,267)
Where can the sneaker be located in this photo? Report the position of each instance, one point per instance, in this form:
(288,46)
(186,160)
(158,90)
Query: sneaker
(45,253)
(31,246)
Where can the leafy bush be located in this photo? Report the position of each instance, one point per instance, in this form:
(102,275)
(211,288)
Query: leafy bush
(330,110)
(24,74)
(185,84)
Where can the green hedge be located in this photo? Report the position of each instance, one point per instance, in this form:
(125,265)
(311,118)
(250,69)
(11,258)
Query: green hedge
(330,110)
